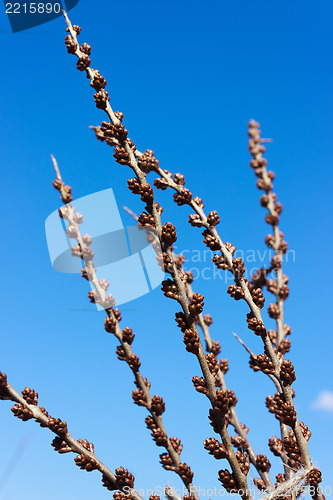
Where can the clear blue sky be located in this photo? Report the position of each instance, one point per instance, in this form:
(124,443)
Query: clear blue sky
(188,76)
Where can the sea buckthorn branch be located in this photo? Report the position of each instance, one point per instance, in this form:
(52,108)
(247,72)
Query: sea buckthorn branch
(26,408)
(278,287)
(226,262)
(141,396)
(175,288)
(260,362)
(241,441)
(241,290)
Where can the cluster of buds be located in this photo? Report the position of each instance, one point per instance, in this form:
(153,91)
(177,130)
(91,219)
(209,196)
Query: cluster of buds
(98,82)
(213,218)
(128,335)
(224,400)
(219,262)
(181,321)
(283,411)
(243,461)
(195,220)
(119,495)
(146,220)
(262,463)
(236,292)
(169,234)
(227,480)
(239,267)
(276,446)
(83,461)
(184,197)
(147,161)
(258,297)
(71,45)
(260,484)
(122,157)
(215,448)
(196,304)
(291,447)
(192,341)
(271,242)
(157,405)
(212,363)
(280,479)
(287,372)
(314,477)
(30,396)
(57,425)
(64,190)
(124,478)
(184,471)
(133,362)
(274,310)
(261,362)
(176,445)
(22,412)
(200,384)
(101,99)
(60,445)
(139,397)
(239,442)
(167,462)
(179,179)
(216,348)
(170,289)
(161,183)
(255,325)
(210,241)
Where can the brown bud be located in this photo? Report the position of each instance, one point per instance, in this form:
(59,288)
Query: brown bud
(192,341)
(227,480)
(169,233)
(287,372)
(314,477)
(200,384)
(157,405)
(196,304)
(213,218)
(184,471)
(128,335)
(262,463)
(124,478)
(215,448)
(22,412)
(183,197)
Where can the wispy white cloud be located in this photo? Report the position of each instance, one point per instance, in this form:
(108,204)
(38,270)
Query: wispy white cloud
(324,401)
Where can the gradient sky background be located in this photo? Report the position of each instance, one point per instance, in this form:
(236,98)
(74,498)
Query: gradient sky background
(188,76)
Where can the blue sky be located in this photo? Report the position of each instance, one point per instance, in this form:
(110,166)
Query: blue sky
(188,76)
